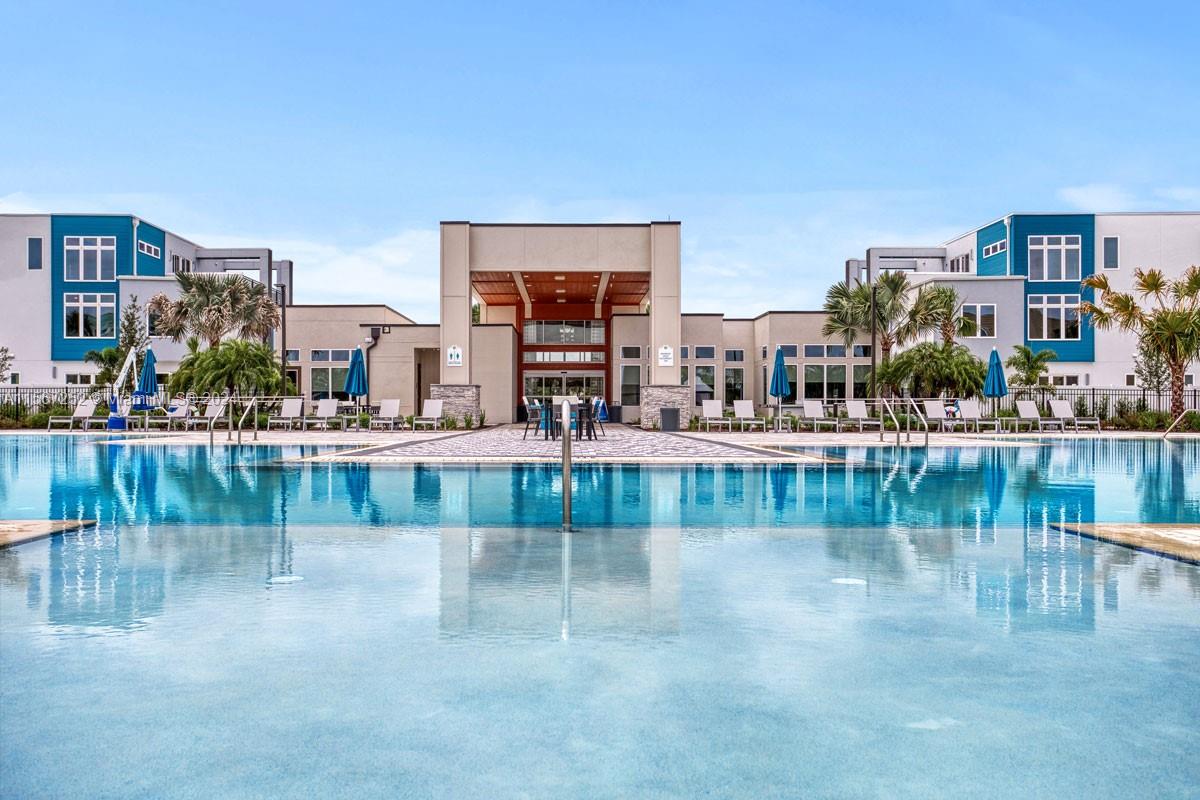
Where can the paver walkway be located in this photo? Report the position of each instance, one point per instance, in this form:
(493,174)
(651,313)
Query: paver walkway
(620,444)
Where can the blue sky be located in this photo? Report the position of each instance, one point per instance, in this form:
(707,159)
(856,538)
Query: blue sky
(786,137)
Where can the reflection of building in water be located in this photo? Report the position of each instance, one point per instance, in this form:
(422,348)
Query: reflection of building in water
(90,586)
(516,582)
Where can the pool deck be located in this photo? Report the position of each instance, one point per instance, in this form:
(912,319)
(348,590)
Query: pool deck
(19,531)
(1178,541)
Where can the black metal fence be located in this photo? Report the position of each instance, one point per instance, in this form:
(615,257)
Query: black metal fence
(1105,403)
(18,402)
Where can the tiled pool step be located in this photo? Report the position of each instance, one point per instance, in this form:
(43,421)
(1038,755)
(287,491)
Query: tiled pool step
(1174,540)
(19,531)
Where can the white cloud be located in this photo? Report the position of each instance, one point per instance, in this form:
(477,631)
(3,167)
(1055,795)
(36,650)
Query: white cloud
(1186,196)
(20,203)
(1098,197)
(400,270)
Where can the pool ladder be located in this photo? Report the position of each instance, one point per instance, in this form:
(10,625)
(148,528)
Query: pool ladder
(566,465)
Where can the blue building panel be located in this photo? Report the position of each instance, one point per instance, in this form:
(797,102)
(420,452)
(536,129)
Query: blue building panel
(147,264)
(1082,225)
(996,264)
(62,226)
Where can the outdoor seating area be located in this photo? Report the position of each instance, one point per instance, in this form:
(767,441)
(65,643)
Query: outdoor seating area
(585,418)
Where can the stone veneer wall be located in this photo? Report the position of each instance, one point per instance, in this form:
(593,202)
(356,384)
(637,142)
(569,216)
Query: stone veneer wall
(458,400)
(660,396)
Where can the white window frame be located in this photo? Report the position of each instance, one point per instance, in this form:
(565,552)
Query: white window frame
(1063,304)
(151,250)
(180,264)
(799,350)
(995,248)
(697,357)
(740,360)
(330,359)
(91,379)
(41,254)
(1103,265)
(99,305)
(978,315)
(1130,379)
(621,355)
(1045,249)
(104,243)
(960,264)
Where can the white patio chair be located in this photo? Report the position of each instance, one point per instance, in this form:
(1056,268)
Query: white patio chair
(857,414)
(214,412)
(431,415)
(1028,413)
(327,412)
(82,413)
(388,416)
(713,414)
(291,411)
(936,413)
(1063,411)
(178,413)
(971,413)
(743,415)
(814,412)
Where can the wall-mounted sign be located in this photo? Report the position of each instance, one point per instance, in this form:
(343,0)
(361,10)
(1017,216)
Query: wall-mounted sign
(666,356)
(453,356)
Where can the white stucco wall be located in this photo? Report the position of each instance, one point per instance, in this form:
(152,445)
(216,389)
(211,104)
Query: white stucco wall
(25,298)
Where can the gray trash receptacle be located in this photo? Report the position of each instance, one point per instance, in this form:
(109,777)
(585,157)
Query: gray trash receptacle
(668,419)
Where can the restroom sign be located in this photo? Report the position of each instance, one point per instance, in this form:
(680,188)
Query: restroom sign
(453,356)
(666,356)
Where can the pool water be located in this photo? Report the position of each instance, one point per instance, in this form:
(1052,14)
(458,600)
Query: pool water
(899,624)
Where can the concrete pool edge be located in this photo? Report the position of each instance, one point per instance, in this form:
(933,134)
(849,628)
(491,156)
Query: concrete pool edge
(1178,541)
(19,531)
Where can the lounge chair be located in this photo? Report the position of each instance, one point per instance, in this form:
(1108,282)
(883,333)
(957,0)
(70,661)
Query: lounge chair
(814,412)
(743,415)
(784,420)
(1063,411)
(937,413)
(713,414)
(326,412)
(291,411)
(83,413)
(1027,413)
(214,412)
(388,416)
(431,415)
(597,404)
(971,413)
(857,414)
(177,413)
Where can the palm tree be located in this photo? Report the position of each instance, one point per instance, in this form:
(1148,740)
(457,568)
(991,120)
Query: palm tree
(246,368)
(182,378)
(1170,324)
(212,305)
(1028,368)
(897,322)
(109,361)
(940,308)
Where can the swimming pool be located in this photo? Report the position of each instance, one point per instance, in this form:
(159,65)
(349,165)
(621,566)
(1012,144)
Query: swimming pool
(905,623)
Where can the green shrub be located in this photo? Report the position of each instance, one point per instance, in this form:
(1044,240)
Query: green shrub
(1123,408)
(8,424)
(39,420)
(482,417)
(468,421)
(1081,406)
(409,420)
(451,423)
(1102,407)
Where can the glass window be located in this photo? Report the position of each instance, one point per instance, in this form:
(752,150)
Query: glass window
(790,371)
(835,351)
(983,317)
(559,331)
(706,378)
(814,351)
(631,352)
(1112,253)
(835,381)
(814,382)
(89,316)
(683,376)
(292,355)
(79,379)
(862,351)
(683,352)
(631,385)
(735,355)
(34,253)
(764,351)
(734,382)
(318,355)
(339,355)
(1054,316)
(90,258)
(862,381)
(14,378)
(789,350)
(1130,380)
(1054,258)
(706,353)
(326,382)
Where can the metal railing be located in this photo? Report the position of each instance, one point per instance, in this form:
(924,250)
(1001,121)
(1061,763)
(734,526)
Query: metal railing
(920,418)
(886,406)
(1172,426)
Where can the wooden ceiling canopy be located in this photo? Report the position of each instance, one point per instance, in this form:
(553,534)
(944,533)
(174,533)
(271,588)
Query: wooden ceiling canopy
(500,288)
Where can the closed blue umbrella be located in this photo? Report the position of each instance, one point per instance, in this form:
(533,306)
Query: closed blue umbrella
(147,386)
(356,376)
(779,384)
(994,385)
